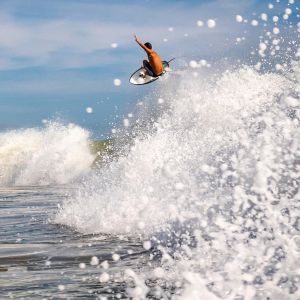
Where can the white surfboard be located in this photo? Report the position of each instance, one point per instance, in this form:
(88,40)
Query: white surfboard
(138,78)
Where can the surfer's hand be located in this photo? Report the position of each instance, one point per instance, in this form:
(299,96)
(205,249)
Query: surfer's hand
(136,38)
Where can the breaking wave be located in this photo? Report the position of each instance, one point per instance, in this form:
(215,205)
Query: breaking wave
(214,182)
(55,154)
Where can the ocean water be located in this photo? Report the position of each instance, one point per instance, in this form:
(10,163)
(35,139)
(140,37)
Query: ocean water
(201,202)
(43,260)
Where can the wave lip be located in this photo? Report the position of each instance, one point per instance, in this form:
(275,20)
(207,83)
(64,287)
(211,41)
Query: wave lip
(55,154)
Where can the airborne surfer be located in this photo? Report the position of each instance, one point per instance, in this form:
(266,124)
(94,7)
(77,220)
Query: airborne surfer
(154,66)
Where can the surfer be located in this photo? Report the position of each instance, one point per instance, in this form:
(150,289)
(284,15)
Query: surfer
(154,66)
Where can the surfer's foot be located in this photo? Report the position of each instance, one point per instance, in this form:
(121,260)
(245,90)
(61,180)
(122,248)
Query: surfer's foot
(142,75)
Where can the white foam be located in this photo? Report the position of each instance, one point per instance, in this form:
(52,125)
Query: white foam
(117,82)
(217,168)
(147,245)
(94,261)
(193,64)
(112,202)
(82,266)
(285,17)
(200,23)
(114,45)
(126,122)
(262,46)
(239,18)
(203,62)
(89,110)
(288,11)
(264,17)
(61,287)
(254,23)
(211,23)
(104,277)
(55,154)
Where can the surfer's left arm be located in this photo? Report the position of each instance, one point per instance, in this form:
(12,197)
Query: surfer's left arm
(142,45)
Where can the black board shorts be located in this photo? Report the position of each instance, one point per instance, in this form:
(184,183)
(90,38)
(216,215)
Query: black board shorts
(149,69)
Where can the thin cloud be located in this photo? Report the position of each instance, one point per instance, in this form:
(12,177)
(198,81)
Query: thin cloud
(68,42)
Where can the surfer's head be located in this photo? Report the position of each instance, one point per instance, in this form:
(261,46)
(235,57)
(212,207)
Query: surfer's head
(148,45)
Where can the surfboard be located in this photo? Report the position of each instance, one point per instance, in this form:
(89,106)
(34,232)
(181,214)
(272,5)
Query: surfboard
(137,77)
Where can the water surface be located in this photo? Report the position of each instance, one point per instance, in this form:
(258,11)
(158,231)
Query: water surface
(40,259)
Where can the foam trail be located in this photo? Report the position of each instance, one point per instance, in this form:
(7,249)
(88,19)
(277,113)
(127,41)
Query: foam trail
(55,154)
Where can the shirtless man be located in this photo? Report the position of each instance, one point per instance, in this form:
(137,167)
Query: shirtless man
(154,66)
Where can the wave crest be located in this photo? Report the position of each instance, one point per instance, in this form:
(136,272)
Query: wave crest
(55,154)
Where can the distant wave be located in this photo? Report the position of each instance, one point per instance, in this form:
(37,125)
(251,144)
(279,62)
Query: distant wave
(55,154)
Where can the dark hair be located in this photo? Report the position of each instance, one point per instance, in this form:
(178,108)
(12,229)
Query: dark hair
(148,45)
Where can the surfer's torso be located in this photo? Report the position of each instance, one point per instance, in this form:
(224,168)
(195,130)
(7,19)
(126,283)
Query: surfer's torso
(155,62)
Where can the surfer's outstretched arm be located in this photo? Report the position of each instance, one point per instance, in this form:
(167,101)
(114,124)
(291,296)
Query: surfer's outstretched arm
(142,45)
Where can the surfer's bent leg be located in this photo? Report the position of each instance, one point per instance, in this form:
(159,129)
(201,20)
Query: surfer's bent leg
(148,67)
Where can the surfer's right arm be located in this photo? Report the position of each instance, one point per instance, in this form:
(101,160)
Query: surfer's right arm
(142,45)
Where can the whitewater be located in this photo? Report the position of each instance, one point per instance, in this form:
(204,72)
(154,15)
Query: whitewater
(54,154)
(213,184)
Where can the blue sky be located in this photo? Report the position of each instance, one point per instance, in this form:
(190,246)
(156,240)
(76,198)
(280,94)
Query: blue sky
(56,57)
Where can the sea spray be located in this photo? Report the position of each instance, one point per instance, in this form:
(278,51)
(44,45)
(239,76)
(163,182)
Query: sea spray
(213,187)
(54,154)
(164,170)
